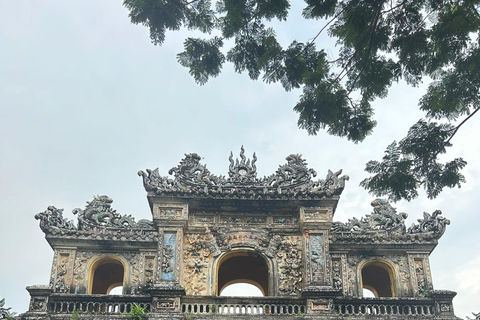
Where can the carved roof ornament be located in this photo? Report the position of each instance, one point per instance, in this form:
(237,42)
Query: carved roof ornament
(385,224)
(383,218)
(431,223)
(292,180)
(98,216)
(53,218)
(243,171)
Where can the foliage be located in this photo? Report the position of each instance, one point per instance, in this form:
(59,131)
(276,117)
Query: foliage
(380,42)
(138,312)
(413,162)
(75,315)
(424,293)
(214,307)
(5,312)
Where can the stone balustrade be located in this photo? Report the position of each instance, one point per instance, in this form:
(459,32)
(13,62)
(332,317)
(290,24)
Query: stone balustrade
(99,306)
(96,304)
(243,306)
(385,306)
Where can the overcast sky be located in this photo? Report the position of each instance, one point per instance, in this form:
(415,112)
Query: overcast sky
(86,101)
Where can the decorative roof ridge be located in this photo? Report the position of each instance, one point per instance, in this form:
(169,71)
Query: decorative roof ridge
(191,178)
(385,223)
(98,216)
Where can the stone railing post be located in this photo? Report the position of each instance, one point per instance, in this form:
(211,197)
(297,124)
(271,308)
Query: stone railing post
(443,302)
(166,302)
(38,307)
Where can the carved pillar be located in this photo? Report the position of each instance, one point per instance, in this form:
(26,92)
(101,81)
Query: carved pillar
(148,275)
(315,224)
(339,272)
(171,218)
(170,239)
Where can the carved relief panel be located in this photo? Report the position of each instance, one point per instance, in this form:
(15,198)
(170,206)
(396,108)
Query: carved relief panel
(168,258)
(400,263)
(170,211)
(318,260)
(339,270)
(352,283)
(169,255)
(62,270)
(196,262)
(316,215)
(263,220)
(290,265)
(132,283)
(421,276)
(149,270)
(80,271)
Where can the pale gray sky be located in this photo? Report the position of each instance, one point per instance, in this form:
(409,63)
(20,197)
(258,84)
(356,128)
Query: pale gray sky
(86,101)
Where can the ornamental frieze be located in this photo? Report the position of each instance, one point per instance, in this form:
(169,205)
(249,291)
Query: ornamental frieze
(291,180)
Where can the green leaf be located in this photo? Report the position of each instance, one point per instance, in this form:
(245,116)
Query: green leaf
(203,58)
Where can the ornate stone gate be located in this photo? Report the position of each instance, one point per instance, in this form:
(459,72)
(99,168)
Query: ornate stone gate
(209,231)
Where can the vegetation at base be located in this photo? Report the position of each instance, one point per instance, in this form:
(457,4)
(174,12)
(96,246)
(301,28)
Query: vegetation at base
(380,43)
(5,312)
(75,315)
(138,312)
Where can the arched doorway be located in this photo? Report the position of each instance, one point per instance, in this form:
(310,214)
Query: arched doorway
(243,267)
(106,274)
(377,277)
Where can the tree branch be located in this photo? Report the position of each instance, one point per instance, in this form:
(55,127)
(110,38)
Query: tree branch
(474,9)
(326,25)
(394,7)
(461,124)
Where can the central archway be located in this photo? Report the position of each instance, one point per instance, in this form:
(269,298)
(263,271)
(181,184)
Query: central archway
(243,267)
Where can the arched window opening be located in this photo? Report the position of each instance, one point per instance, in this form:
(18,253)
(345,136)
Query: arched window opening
(107,275)
(243,267)
(118,290)
(241,289)
(377,277)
